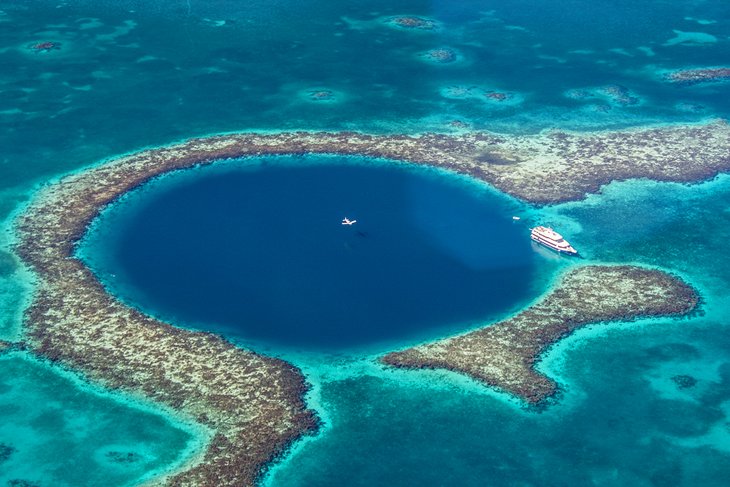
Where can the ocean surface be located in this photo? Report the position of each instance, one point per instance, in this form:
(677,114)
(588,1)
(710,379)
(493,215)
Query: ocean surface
(56,430)
(644,404)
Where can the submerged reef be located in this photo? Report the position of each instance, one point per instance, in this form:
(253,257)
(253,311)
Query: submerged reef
(321,95)
(497,95)
(696,76)
(4,346)
(504,355)
(616,95)
(6,451)
(690,107)
(22,483)
(253,404)
(684,381)
(123,457)
(492,97)
(620,95)
(44,46)
(441,55)
(413,22)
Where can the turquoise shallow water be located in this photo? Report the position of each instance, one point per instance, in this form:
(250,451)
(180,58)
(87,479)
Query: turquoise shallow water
(216,66)
(56,430)
(131,74)
(622,421)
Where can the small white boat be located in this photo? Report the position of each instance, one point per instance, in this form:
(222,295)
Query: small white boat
(552,240)
(347,221)
(516,218)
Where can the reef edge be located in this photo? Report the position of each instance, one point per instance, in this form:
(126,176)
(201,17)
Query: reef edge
(504,355)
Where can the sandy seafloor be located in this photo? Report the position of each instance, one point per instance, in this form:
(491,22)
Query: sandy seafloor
(131,74)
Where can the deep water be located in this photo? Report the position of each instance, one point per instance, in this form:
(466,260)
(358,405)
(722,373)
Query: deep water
(643,404)
(256,248)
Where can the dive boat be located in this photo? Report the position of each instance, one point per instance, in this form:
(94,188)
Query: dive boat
(552,240)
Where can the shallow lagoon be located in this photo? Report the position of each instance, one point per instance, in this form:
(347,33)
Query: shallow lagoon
(256,249)
(56,430)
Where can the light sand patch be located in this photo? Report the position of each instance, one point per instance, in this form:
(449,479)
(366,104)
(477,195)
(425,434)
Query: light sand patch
(690,39)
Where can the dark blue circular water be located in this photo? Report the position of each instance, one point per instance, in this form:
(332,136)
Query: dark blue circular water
(257,249)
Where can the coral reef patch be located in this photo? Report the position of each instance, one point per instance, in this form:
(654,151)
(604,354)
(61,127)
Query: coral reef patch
(696,76)
(492,97)
(123,457)
(504,355)
(684,381)
(320,95)
(22,483)
(45,46)
(559,166)
(6,451)
(615,95)
(413,22)
(442,55)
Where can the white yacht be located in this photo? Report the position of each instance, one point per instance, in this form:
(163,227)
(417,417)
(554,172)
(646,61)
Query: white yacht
(552,240)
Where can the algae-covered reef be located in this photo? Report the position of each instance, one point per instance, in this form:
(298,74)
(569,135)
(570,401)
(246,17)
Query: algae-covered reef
(254,404)
(504,355)
(4,346)
(560,166)
(550,167)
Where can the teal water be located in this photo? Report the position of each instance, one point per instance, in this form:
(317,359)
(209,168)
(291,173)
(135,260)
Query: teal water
(256,249)
(58,431)
(132,74)
(179,68)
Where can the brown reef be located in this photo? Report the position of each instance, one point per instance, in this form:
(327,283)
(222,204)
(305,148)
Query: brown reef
(4,346)
(497,95)
(321,95)
(442,55)
(620,95)
(551,167)
(254,404)
(561,166)
(504,355)
(45,46)
(412,22)
(696,76)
